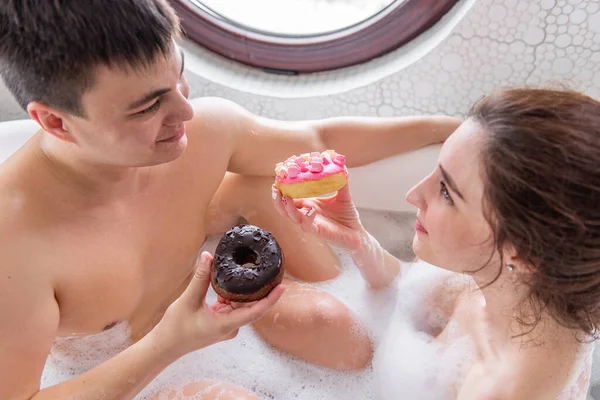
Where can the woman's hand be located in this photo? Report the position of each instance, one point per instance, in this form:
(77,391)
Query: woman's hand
(333,219)
(190,323)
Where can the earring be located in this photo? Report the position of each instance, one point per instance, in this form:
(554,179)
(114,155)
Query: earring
(510,267)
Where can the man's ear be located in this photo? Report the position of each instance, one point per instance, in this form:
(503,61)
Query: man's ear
(51,120)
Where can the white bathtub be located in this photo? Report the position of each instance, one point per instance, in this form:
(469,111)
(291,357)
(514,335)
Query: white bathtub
(13,134)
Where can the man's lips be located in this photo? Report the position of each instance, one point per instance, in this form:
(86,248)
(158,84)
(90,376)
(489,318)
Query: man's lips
(178,134)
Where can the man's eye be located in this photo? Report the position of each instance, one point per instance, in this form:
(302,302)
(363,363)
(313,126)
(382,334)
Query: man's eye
(150,109)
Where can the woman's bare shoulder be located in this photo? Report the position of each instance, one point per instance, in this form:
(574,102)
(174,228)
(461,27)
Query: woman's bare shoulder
(553,367)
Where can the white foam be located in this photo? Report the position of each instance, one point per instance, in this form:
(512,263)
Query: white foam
(72,356)
(406,360)
(407,363)
(249,362)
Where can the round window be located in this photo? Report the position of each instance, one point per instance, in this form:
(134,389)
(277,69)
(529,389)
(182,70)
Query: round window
(301,36)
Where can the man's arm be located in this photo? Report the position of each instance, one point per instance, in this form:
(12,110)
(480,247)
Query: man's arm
(367,139)
(27,328)
(122,377)
(30,317)
(258,143)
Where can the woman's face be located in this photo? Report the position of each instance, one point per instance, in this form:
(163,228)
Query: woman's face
(451,231)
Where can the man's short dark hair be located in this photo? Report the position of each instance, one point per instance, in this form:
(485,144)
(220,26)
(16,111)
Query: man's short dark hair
(49,49)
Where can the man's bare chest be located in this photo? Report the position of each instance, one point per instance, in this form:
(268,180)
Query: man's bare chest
(125,265)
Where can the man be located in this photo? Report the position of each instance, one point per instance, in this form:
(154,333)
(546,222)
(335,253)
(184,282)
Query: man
(104,210)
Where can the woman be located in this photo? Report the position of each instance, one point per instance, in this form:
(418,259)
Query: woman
(512,214)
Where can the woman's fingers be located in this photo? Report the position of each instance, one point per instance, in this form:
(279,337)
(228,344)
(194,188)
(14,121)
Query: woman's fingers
(308,220)
(284,205)
(290,207)
(344,194)
(295,209)
(277,199)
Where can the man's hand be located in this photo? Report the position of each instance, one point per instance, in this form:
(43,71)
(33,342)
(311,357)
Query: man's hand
(190,323)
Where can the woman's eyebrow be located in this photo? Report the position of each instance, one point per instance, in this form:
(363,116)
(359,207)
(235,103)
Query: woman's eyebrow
(451,183)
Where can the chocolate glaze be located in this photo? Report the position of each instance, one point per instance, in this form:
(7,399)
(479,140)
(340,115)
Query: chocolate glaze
(247,258)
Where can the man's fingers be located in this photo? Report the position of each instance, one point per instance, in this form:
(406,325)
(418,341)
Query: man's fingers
(195,293)
(241,305)
(246,315)
(221,307)
(221,299)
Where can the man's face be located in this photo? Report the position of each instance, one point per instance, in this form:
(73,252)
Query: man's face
(134,118)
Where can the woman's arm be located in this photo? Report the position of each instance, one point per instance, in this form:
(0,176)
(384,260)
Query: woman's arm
(377,266)
(336,221)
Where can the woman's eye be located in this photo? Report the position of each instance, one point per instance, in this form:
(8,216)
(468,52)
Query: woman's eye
(150,109)
(445,193)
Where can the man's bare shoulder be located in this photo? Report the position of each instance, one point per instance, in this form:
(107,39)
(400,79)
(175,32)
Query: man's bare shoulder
(217,107)
(214,129)
(218,118)
(18,229)
(20,237)
(20,192)
(24,208)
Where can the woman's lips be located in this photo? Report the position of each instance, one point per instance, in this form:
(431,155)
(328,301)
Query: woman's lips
(419,227)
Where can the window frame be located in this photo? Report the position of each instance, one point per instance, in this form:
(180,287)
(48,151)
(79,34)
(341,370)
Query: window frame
(396,25)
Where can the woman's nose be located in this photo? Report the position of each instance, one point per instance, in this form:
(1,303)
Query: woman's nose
(415,197)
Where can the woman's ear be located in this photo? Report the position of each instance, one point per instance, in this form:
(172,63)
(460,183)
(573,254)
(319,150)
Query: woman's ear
(517,264)
(51,120)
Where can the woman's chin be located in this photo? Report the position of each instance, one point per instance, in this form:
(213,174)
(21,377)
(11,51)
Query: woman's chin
(422,252)
(417,247)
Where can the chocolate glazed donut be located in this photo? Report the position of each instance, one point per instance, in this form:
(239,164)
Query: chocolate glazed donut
(248,264)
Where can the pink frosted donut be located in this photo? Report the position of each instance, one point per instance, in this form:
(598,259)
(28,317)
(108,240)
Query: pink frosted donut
(311,174)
